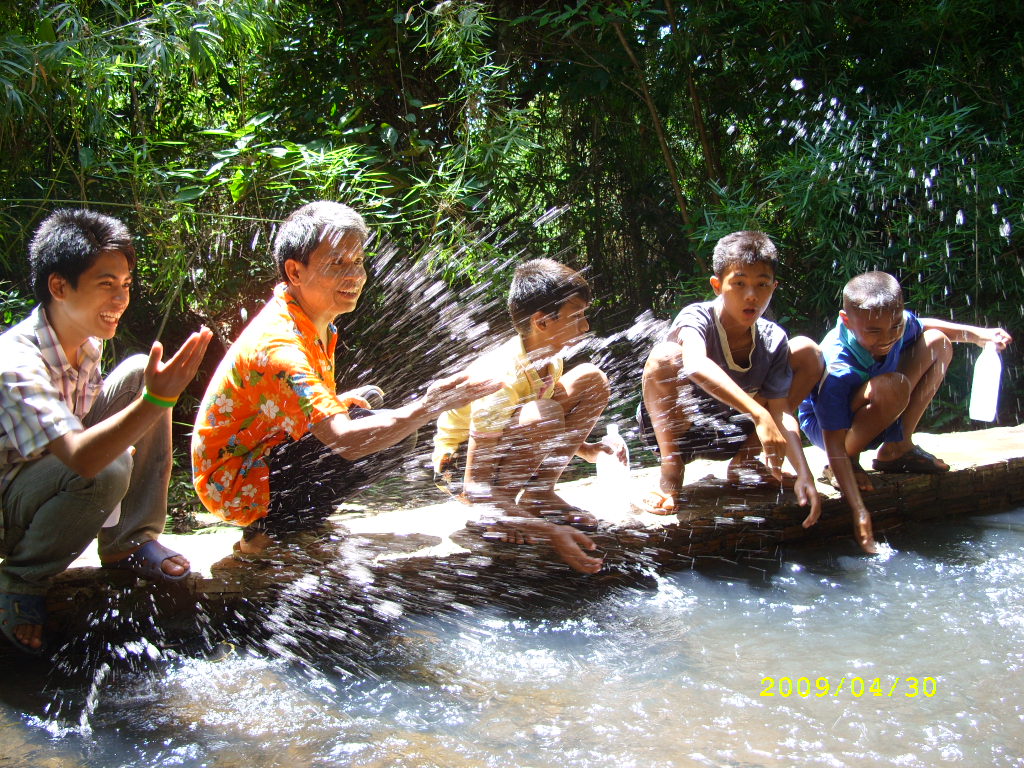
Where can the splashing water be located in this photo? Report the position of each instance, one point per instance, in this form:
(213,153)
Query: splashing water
(728,666)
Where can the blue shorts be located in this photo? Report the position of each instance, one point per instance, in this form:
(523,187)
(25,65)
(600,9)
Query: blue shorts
(809,424)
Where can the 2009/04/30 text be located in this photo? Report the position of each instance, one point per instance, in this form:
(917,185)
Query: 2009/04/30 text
(856,687)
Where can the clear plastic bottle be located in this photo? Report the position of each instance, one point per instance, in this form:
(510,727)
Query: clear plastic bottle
(613,480)
(988,369)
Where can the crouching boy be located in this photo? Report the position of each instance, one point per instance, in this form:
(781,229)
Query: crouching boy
(883,367)
(509,449)
(726,381)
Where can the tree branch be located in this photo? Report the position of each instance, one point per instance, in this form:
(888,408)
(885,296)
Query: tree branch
(658,129)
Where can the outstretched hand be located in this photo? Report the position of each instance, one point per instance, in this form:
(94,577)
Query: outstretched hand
(774,445)
(807,493)
(456,391)
(168,380)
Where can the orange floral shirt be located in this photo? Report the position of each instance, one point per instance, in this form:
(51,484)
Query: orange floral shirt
(275,382)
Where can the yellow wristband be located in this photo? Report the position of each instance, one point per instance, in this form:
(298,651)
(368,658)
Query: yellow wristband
(163,402)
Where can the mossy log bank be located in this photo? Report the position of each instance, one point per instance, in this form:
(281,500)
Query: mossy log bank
(429,557)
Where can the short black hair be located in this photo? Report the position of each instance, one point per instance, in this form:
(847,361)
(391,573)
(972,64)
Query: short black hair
(68,242)
(744,248)
(873,291)
(543,285)
(300,233)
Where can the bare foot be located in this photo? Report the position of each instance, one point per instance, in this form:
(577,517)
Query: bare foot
(30,635)
(173,565)
(23,617)
(755,472)
(859,474)
(573,547)
(657,503)
(255,545)
(550,504)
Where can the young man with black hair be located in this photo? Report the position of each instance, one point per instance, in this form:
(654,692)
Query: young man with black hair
(81,454)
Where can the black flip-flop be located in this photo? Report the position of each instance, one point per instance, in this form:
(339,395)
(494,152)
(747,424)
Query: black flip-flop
(915,461)
(23,610)
(146,562)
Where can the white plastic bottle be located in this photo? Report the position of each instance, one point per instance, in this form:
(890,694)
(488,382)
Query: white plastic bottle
(613,480)
(988,368)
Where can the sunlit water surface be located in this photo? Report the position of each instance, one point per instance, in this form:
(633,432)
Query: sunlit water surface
(673,675)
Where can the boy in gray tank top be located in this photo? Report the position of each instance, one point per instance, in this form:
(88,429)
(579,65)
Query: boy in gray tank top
(725,382)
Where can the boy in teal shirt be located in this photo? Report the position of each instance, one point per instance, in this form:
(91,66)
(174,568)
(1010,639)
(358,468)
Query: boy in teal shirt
(883,367)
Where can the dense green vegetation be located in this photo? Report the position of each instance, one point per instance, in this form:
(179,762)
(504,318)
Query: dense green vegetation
(621,136)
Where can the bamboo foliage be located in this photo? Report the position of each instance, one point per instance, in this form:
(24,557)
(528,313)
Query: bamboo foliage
(621,137)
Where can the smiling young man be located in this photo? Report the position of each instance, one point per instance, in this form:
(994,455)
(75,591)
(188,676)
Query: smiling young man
(79,452)
(883,367)
(725,381)
(275,448)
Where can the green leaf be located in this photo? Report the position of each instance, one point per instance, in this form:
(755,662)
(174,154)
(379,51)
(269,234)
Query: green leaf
(45,31)
(187,194)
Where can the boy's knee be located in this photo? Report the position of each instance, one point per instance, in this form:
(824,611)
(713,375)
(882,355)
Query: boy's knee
(805,355)
(939,345)
(545,413)
(593,381)
(132,371)
(665,354)
(111,483)
(664,363)
(889,388)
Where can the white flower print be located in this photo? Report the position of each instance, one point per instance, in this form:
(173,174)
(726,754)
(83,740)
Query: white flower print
(269,409)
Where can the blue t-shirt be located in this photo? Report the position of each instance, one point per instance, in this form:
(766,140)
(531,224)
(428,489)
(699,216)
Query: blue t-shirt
(767,373)
(847,366)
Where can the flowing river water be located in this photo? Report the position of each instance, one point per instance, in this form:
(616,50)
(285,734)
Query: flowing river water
(912,658)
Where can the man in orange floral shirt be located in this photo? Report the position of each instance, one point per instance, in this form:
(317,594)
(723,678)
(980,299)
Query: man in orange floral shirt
(275,448)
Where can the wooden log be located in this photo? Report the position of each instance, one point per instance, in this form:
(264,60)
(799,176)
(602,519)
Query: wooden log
(429,551)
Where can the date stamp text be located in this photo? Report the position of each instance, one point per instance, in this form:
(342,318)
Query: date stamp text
(849,685)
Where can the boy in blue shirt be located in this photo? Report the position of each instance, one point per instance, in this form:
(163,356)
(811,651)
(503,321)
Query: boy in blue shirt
(883,367)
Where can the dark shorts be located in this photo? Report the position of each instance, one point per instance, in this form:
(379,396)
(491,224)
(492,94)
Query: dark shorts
(717,431)
(308,481)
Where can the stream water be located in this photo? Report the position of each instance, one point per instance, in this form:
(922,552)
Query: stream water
(913,658)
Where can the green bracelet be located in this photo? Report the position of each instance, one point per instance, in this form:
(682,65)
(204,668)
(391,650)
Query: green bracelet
(163,402)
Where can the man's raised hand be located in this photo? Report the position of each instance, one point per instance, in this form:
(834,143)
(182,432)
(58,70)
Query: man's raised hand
(168,380)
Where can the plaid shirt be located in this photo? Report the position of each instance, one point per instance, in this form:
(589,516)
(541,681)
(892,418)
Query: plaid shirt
(42,396)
